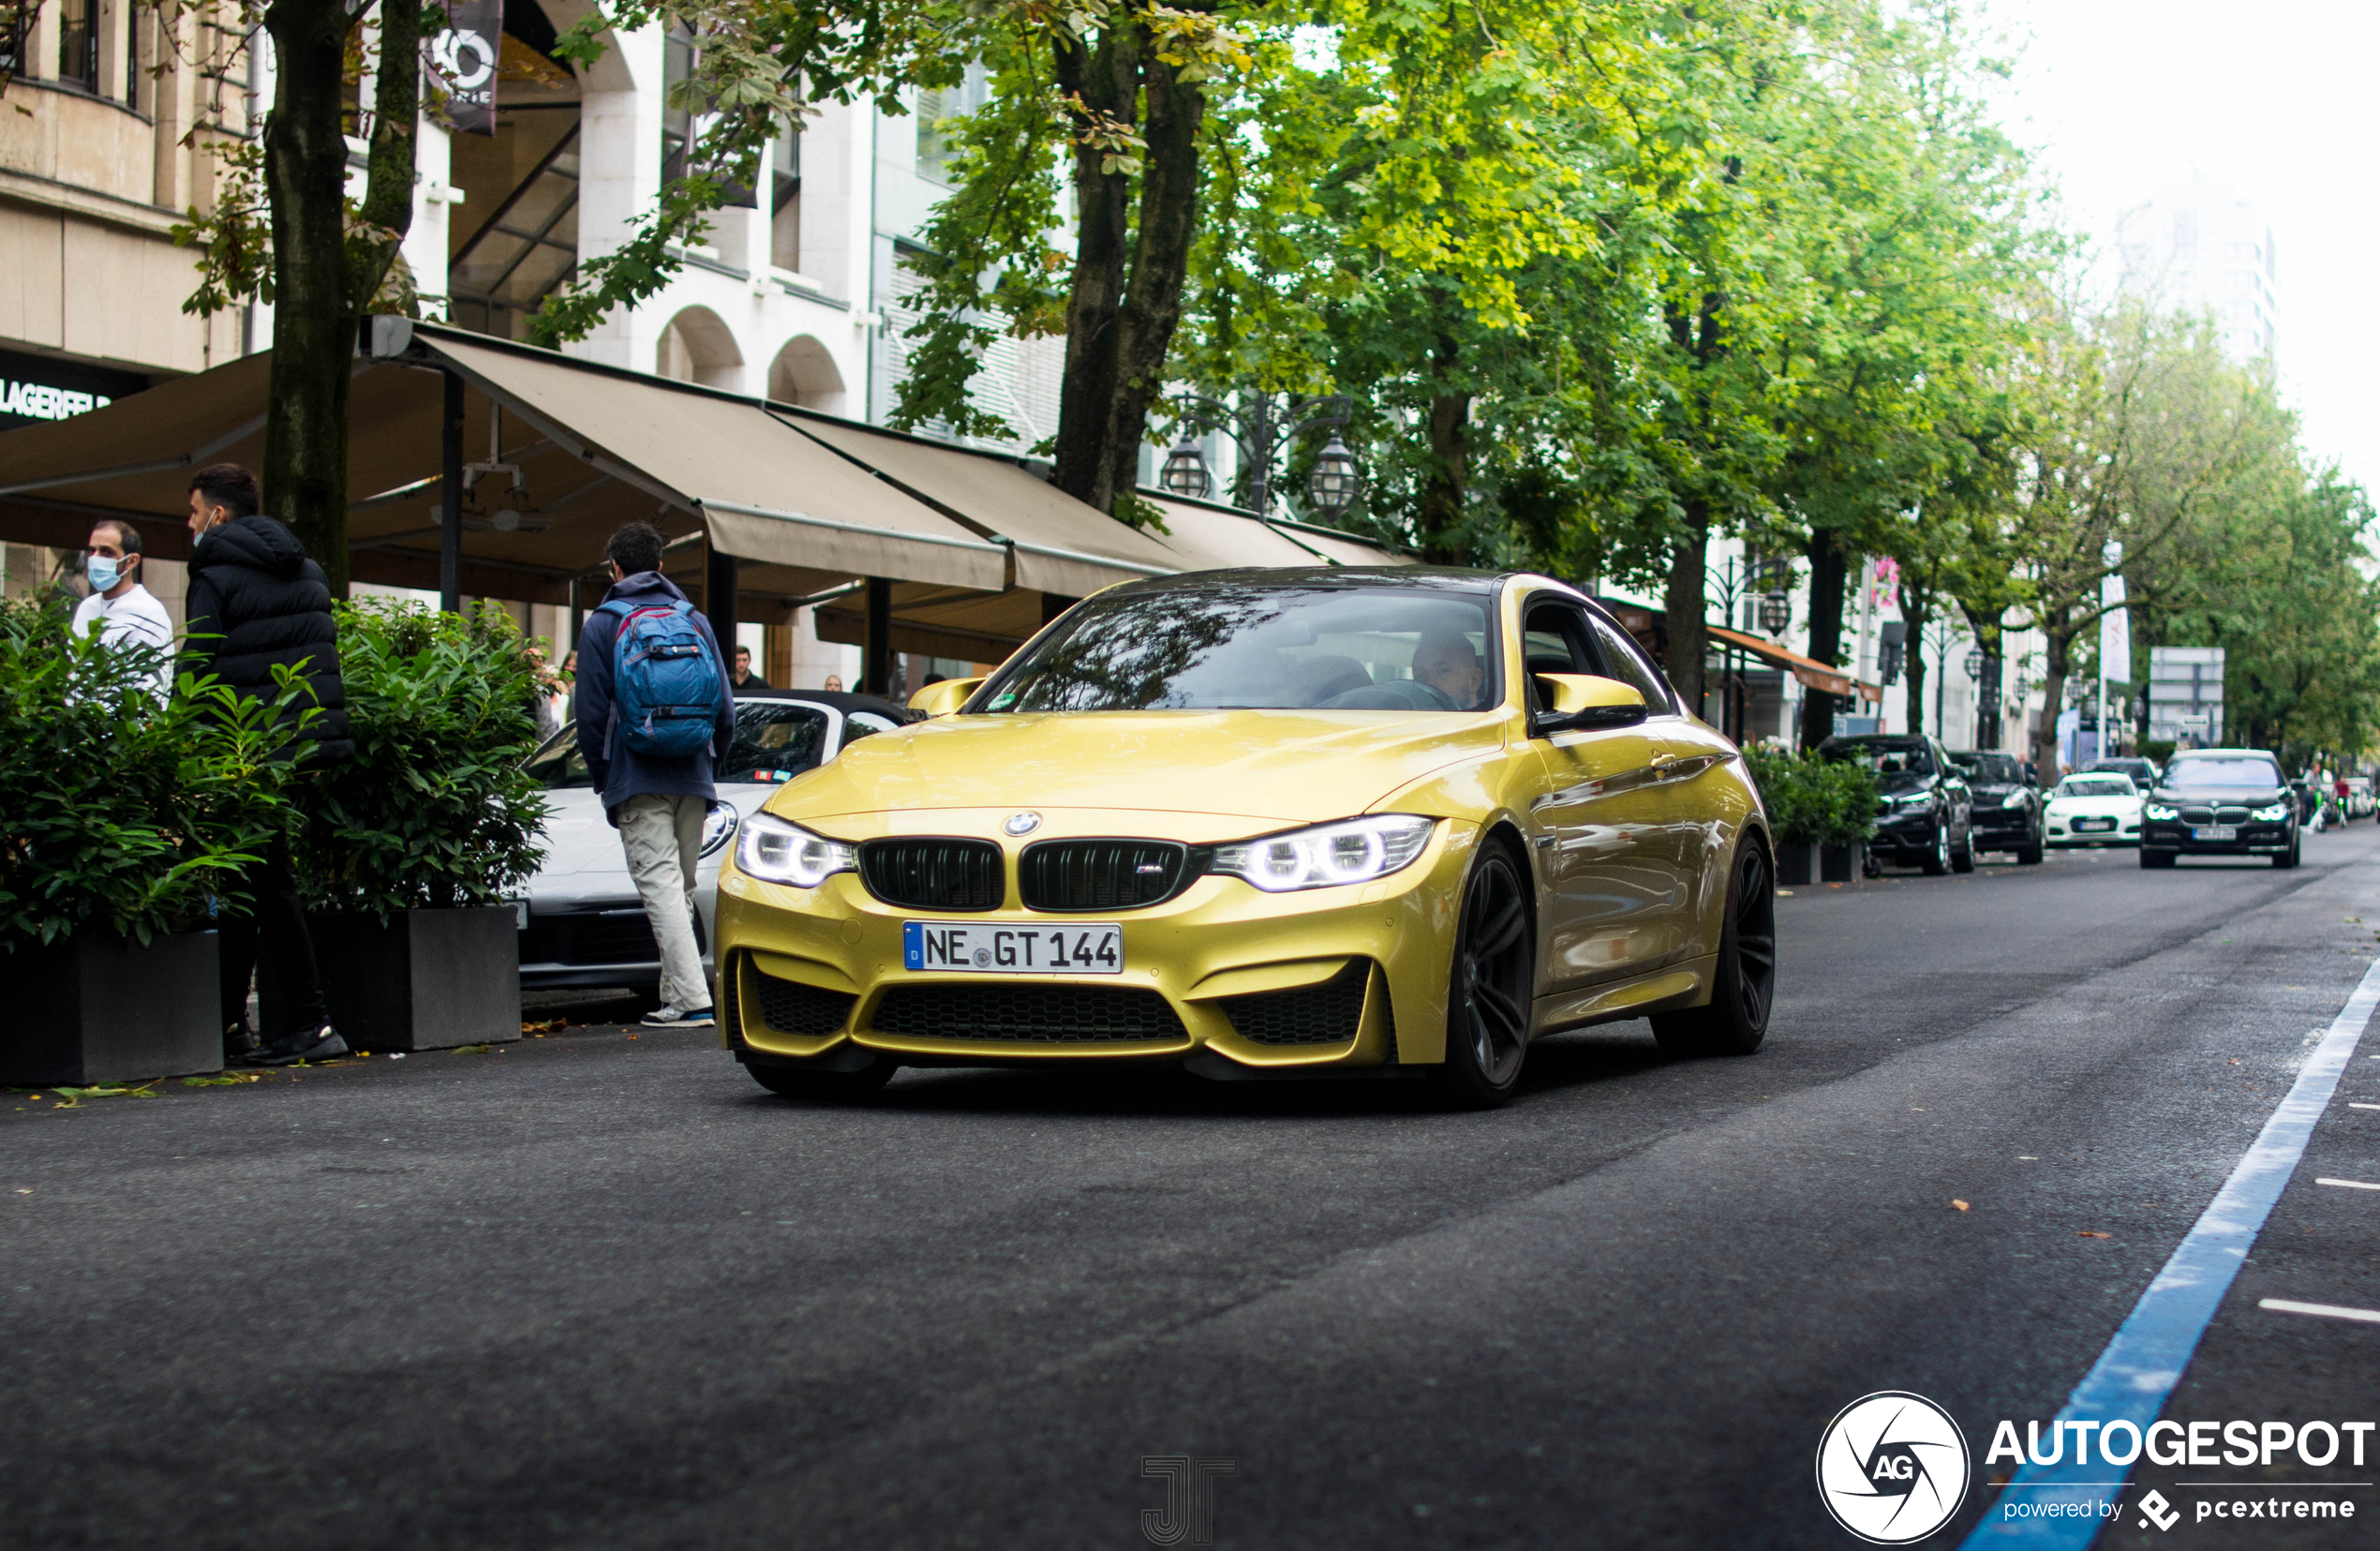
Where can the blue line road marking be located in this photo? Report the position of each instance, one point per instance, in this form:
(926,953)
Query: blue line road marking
(2140,1368)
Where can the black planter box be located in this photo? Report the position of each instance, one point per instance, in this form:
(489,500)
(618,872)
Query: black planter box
(1840,863)
(103,1009)
(424,980)
(1796,861)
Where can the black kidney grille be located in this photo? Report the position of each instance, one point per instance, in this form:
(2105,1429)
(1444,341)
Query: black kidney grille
(1066,1015)
(791,1007)
(2231,815)
(1100,875)
(2198,815)
(1326,1014)
(933,873)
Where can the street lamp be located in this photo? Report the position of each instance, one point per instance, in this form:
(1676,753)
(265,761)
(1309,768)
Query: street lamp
(1776,612)
(1185,472)
(1262,428)
(1975,663)
(1335,480)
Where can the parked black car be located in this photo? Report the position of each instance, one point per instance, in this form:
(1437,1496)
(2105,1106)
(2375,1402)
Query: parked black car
(1922,810)
(2219,802)
(2143,771)
(2005,804)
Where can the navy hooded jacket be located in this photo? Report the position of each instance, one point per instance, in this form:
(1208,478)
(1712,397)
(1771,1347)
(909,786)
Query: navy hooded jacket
(619,771)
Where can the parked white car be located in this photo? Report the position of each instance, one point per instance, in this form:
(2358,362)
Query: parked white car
(581,923)
(2094,808)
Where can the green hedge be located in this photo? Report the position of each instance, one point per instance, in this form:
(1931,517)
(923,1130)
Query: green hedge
(1832,802)
(125,817)
(435,810)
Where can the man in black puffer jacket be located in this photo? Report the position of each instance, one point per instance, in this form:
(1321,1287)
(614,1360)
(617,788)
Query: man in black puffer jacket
(256,602)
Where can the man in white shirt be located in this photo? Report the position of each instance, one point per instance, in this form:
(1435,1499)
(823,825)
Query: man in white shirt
(125,612)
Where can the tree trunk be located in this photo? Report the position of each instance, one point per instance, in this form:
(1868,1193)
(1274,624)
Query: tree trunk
(1827,569)
(1684,604)
(1126,300)
(2045,750)
(1444,486)
(324,279)
(1913,656)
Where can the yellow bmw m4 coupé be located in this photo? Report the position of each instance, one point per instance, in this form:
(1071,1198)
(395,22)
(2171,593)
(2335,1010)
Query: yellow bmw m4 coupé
(1338,822)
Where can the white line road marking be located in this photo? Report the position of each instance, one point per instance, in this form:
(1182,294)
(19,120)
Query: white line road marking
(2353,1105)
(2327,1311)
(2348,1183)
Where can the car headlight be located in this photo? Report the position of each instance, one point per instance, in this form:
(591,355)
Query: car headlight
(2159,810)
(774,851)
(1913,800)
(719,828)
(1354,850)
(2272,814)
(2014,799)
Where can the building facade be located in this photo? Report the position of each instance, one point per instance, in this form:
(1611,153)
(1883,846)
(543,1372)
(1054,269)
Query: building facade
(2201,247)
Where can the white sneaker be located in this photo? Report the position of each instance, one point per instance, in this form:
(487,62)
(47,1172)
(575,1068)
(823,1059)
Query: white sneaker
(669,1017)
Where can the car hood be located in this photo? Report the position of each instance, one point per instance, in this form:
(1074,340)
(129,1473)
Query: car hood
(1995,790)
(1272,766)
(2226,797)
(2068,806)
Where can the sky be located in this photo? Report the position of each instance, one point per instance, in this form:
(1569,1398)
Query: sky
(2275,99)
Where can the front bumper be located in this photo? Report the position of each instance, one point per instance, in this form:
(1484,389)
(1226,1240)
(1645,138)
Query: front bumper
(2126,833)
(2251,839)
(1904,836)
(804,973)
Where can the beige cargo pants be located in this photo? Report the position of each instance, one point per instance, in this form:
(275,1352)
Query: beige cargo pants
(663,838)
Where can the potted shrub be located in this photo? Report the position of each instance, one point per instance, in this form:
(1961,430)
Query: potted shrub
(1821,811)
(413,848)
(128,823)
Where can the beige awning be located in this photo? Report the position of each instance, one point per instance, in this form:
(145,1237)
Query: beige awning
(1062,545)
(767,492)
(1210,537)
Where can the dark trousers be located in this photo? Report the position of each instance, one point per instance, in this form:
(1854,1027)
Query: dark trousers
(273,942)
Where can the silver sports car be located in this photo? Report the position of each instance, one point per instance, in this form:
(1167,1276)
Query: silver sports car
(581,923)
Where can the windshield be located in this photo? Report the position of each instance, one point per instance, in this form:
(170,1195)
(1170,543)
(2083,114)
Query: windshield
(1253,645)
(2223,770)
(1991,769)
(2097,785)
(1886,759)
(775,741)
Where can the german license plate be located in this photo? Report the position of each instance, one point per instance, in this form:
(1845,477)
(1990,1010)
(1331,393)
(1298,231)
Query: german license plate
(1088,948)
(2214,831)
(2094,824)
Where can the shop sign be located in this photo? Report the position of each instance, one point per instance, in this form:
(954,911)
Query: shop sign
(35,387)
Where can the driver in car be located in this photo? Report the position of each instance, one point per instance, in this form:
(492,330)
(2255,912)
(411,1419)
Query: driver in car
(1445,661)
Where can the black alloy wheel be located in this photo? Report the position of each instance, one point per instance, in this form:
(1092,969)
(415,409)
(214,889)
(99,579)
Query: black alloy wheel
(1963,860)
(2288,858)
(2030,852)
(1492,986)
(1743,985)
(1938,863)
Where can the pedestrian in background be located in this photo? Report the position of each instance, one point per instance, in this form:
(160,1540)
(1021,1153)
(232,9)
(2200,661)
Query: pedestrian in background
(744,679)
(835,682)
(256,603)
(120,608)
(654,711)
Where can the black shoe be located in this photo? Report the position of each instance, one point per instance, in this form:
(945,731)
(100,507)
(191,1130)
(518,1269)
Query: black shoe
(320,1045)
(239,1045)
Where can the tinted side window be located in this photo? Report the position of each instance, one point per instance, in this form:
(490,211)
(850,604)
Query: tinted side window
(1623,661)
(774,741)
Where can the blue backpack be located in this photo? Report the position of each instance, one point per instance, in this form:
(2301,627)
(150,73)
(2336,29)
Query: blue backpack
(666,686)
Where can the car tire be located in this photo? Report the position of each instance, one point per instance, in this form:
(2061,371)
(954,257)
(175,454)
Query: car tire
(2288,858)
(1963,860)
(824,1086)
(1743,986)
(1490,986)
(1939,862)
(2156,858)
(2028,854)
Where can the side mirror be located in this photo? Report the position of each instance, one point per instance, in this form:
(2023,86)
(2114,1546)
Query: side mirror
(942,698)
(1577,700)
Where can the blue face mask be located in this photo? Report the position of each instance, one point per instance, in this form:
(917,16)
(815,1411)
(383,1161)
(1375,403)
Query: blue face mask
(103,572)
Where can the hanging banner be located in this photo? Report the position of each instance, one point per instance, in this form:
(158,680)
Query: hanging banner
(465,59)
(2115,632)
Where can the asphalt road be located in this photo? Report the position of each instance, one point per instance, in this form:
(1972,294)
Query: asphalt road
(599,1290)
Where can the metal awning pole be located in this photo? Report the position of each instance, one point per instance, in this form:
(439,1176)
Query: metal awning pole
(719,596)
(450,496)
(875,668)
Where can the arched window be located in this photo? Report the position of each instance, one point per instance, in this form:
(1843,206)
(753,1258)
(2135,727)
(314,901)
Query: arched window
(698,348)
(805,375)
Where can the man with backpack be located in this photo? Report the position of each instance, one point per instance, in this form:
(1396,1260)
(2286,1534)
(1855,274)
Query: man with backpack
(654,713)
